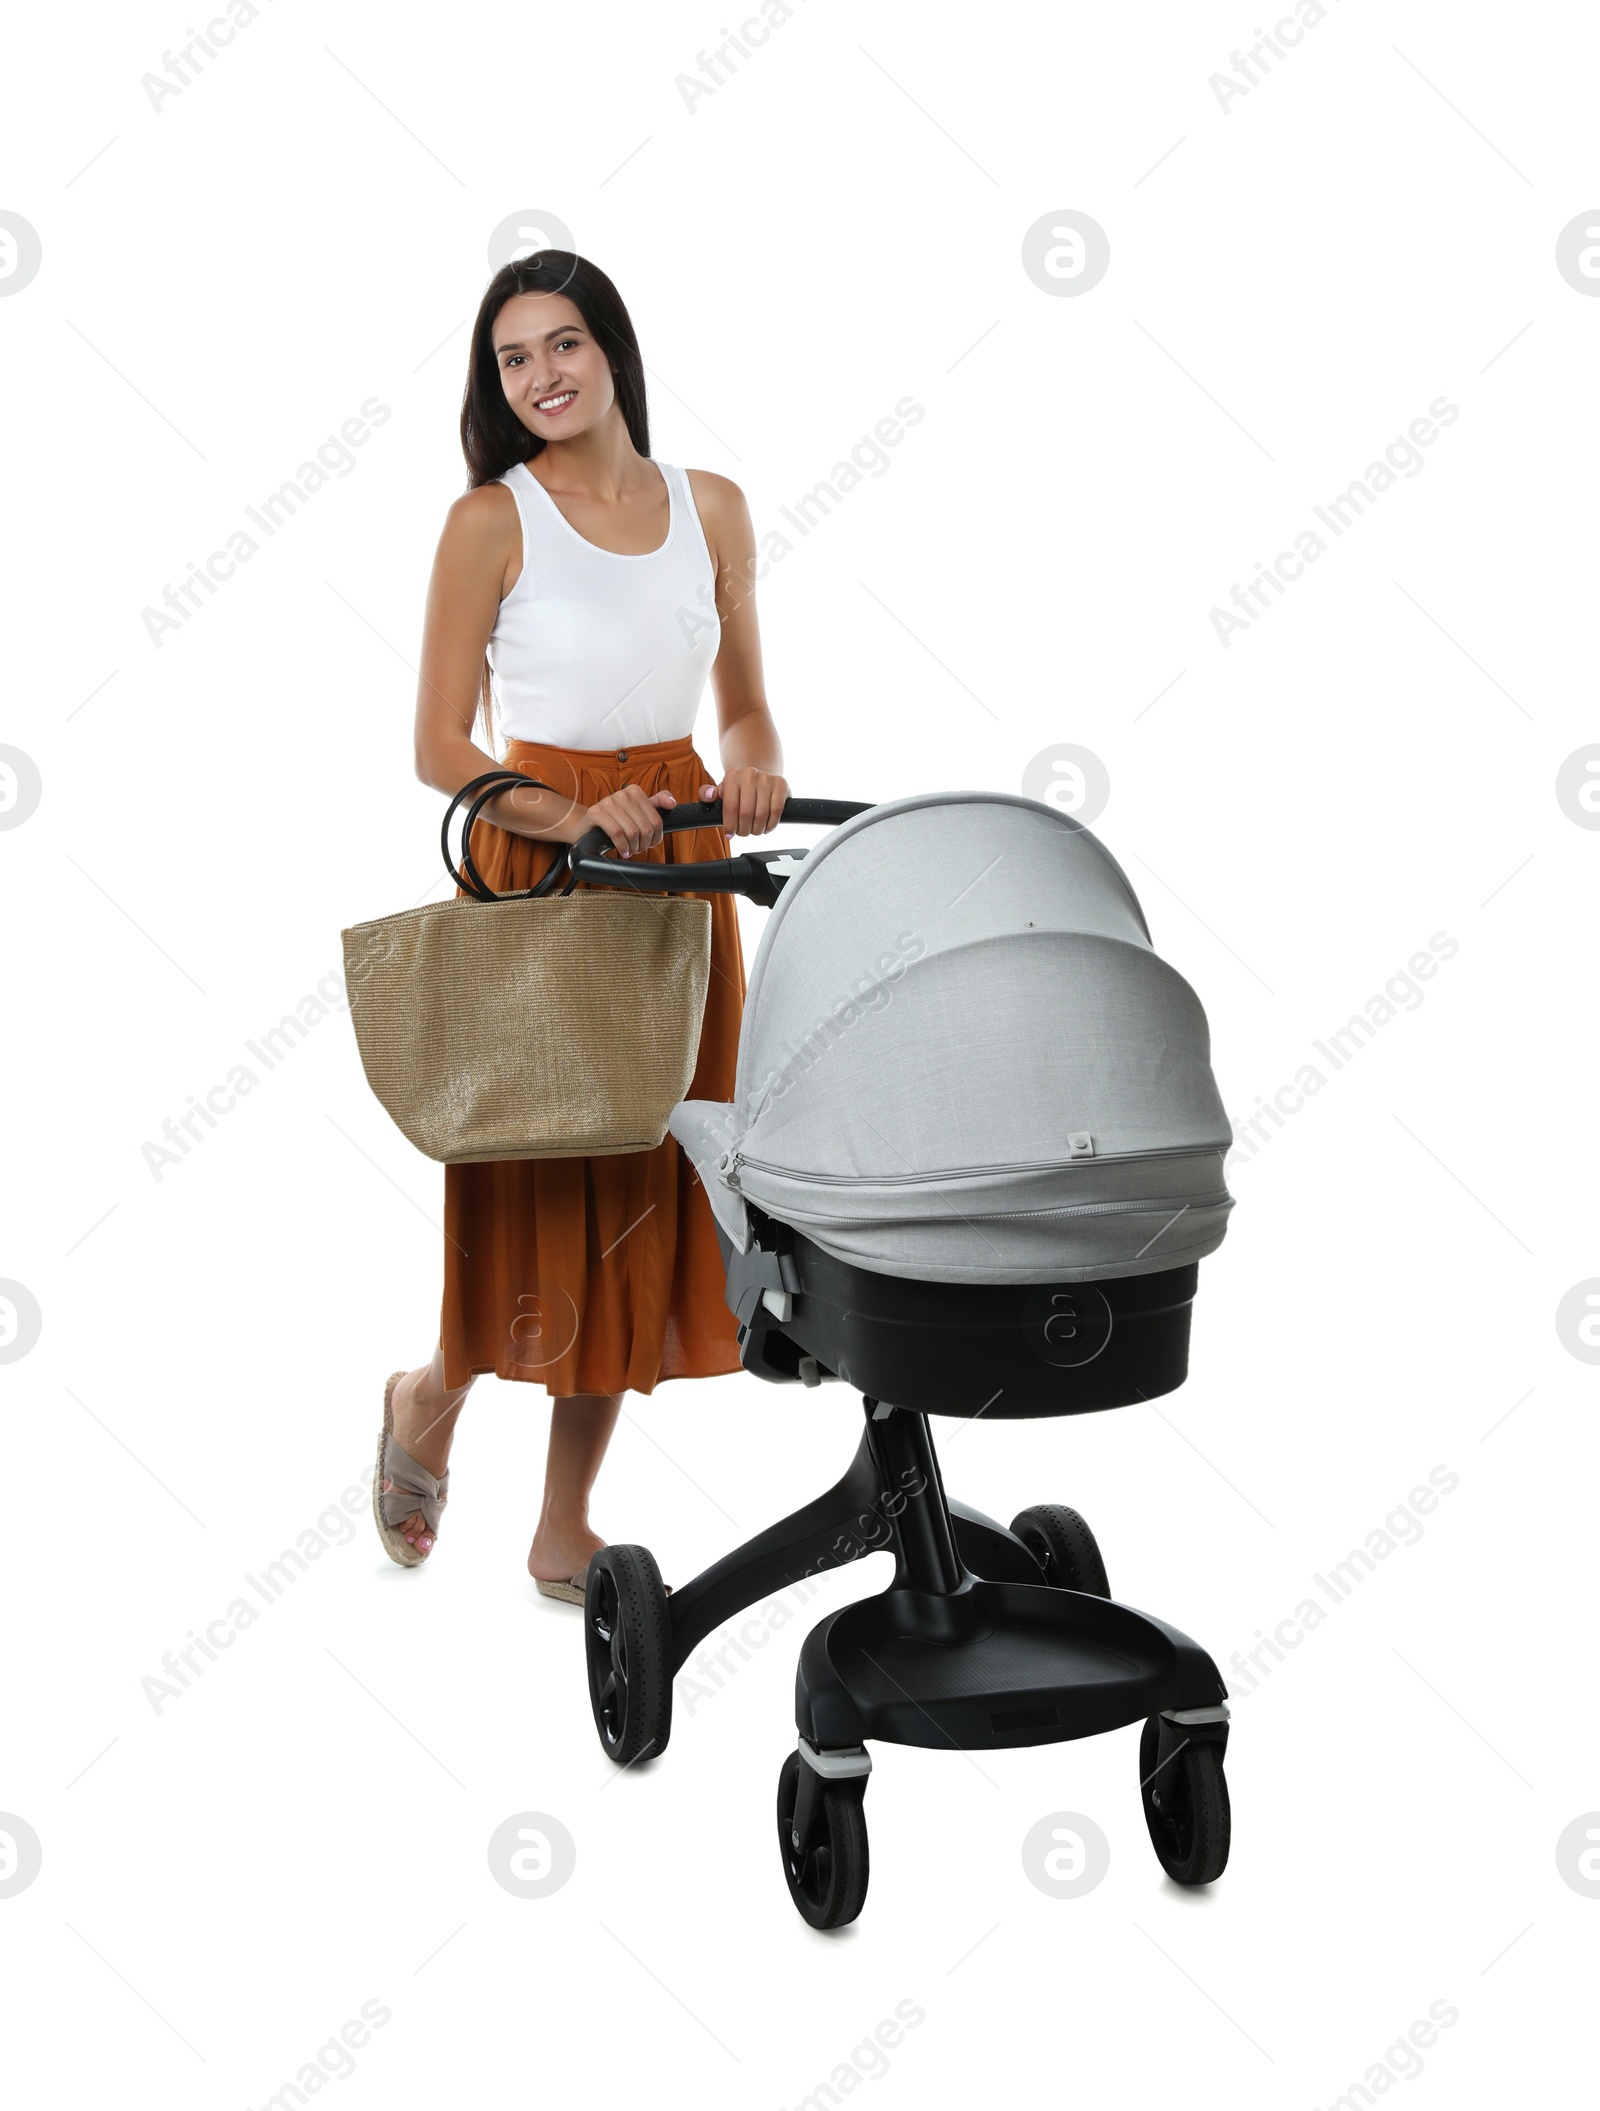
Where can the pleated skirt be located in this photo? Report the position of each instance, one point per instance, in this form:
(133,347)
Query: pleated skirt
(598,1275)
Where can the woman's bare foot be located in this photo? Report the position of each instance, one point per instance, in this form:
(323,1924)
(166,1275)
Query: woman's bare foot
(424,1416)
(551,1558)
(561,1548)
(580,1429)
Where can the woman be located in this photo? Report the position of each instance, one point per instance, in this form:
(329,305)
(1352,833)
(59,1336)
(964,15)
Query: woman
(587,590)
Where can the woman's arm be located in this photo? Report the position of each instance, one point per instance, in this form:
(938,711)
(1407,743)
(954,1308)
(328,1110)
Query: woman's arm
(753,788)
(479,543)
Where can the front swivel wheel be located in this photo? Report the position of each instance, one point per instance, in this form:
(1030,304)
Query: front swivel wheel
(1186,1806)
(627,1635)
(827,1872)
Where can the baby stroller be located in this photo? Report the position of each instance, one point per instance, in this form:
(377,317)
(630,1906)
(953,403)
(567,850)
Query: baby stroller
(973,1160)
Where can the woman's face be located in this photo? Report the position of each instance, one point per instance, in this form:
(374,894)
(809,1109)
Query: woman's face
(556,377)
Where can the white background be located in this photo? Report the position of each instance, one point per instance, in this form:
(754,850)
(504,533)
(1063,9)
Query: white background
(1292,282)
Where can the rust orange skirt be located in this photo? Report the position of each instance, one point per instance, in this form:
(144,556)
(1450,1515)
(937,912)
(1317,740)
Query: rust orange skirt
(598,1275)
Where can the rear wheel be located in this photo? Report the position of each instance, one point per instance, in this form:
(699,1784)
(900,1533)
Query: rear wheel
(1064,1547)
(628,1644)
(827,1878)
(1186,1807)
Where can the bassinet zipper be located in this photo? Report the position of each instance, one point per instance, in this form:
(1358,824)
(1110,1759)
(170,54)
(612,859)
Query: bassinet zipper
(1142,1207)
(731,1160)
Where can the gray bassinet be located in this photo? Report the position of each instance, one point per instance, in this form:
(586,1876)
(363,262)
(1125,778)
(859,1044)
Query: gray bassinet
(962,1061)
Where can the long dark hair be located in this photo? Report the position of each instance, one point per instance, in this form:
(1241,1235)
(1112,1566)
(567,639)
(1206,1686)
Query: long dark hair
(493,437)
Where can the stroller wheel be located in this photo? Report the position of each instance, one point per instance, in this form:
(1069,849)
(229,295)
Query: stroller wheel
(1186,1808)
(828,1879)
(1064,1547)
(628,1642)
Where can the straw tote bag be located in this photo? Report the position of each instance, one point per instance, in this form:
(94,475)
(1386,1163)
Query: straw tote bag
(531,1025)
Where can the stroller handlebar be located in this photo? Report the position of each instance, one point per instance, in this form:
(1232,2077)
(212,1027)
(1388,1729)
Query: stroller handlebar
(594,859)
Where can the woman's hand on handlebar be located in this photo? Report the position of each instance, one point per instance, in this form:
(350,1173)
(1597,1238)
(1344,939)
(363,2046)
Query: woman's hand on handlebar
(752,800)
(631,817)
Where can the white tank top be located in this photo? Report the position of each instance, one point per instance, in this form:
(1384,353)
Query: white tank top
(595,649)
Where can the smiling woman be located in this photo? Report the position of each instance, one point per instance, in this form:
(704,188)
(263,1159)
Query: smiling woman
(553,615)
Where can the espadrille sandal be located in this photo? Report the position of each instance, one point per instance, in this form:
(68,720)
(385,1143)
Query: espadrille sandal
(414,1489)
(573,1592)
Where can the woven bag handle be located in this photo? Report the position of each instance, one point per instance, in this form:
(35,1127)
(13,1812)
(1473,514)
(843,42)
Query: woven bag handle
(488,787)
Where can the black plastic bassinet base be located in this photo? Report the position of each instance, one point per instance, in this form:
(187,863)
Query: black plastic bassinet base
(1005,1351)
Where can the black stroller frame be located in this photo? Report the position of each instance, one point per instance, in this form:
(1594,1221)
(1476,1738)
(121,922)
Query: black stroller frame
(986,1636)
